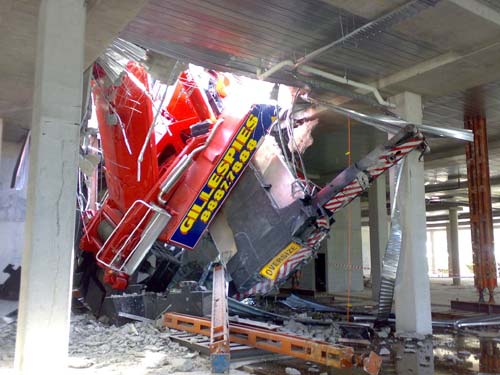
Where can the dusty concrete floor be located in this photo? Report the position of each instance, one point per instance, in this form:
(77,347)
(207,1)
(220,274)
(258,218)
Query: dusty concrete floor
(442,292)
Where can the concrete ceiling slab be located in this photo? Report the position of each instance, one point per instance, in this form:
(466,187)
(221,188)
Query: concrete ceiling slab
(366,9)
(474,69)
(450,27)
(18,30)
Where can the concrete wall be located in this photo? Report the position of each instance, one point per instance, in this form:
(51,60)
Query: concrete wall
(12,210)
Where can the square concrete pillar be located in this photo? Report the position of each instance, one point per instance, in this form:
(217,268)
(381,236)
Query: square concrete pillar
(344,273)
(378,221)
(46,278)
(453,246)
(412,291)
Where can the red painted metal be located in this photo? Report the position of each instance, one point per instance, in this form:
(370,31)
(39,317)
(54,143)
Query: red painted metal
(481,218)
(125,115)
(185,175)
(187,107)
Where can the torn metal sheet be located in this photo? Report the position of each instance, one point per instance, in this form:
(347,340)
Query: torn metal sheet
(391,256)
(114,60)
(20,174)
(393,125)
(296,303)
(241,309)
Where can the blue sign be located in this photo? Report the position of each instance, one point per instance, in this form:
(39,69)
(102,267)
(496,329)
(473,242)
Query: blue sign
(224,176)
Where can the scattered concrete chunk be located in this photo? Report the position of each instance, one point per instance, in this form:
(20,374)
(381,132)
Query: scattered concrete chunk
(292,371)
(384,332)
(75,362)
(182,364)
(384,351)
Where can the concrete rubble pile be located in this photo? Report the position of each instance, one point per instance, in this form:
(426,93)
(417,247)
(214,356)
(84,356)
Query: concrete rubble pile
(7,344)
(329,334)
(140,345)
(99,348)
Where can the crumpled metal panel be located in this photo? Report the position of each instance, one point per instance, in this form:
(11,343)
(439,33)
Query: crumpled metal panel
(116,57)
(241,309)
(296,303)
(391,255)
(393,124)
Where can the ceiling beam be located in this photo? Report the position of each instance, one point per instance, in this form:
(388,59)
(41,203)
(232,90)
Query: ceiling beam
(479,9)
(420,68)
(439,158)
(424,67)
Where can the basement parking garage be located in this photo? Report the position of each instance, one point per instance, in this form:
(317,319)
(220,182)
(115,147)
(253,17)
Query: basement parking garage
(267,187)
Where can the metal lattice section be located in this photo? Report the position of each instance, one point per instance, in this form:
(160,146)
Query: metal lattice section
(391,257)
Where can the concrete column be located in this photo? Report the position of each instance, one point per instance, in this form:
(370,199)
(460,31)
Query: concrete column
(338,251)
(453,249)
(433,253)
(412,291)
(308,276)
(378,231)
(44,306)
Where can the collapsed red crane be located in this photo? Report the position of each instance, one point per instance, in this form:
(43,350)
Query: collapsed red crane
(167,187)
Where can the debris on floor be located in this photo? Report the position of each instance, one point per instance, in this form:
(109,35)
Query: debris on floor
(329,334)
(384,351)
(292,371)
(7,344)
(138,347)
(147,348)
